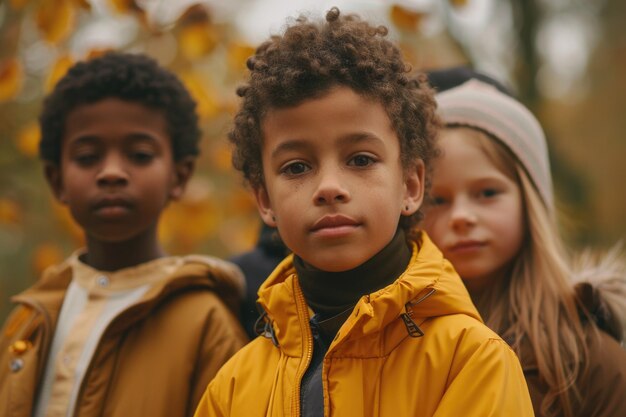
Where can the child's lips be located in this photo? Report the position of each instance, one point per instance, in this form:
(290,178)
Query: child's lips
(467,246)
(334,225)
(112,207)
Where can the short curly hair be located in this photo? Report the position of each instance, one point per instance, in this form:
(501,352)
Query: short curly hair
(309,59)
(130,77)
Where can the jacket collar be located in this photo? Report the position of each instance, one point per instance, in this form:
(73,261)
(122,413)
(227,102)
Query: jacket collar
(196,272)
(429,287)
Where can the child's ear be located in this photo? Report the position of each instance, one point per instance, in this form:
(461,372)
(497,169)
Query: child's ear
(52,172)
(183,169)
(264,206)
(414,182)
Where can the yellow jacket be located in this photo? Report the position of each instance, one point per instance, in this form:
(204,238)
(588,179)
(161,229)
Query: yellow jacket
(452,365)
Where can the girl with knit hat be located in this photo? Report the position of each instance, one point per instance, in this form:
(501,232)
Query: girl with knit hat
(492,215)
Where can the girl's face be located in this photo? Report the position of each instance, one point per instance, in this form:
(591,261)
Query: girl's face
(476,217)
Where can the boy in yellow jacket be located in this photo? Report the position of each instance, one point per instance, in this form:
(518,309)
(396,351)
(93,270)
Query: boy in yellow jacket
(119,328)
(366,318)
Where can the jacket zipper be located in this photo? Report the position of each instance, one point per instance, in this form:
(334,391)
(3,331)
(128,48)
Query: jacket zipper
(302,310)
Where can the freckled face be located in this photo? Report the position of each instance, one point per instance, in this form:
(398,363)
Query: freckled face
(476,218)
(117,171)
(334,184)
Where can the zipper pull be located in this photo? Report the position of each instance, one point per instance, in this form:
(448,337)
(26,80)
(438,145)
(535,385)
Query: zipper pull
(411,327)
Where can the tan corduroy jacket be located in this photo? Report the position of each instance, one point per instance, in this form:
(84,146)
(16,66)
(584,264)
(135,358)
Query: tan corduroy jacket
(154,359)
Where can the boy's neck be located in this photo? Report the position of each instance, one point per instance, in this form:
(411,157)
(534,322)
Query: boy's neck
(112,256)
(330,293)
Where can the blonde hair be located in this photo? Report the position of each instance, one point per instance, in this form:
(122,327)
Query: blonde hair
(536,304)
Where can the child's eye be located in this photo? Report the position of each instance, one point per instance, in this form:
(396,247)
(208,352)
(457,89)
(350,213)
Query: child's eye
(437,201)
(361,160)
(488,192)
(295,168)
(86,159)
(141,157)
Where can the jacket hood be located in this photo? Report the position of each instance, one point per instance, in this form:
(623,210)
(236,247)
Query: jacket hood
(429,287)
(195,272)
(600,285)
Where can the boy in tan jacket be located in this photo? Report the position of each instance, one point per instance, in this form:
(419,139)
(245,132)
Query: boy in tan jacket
(119,328)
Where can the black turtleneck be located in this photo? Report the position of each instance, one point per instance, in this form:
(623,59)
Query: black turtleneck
(330,293)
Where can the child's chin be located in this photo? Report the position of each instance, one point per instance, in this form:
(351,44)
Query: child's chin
(336,265)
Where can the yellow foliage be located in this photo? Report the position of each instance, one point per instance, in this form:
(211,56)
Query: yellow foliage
(124,6)
(97,52)
(45,255)
(55,19)
(84,4)
(59,69)
(10,212)
(409,53)
(458,3)
(404,18)
(221,156)
(197,40)
(18,4)
(242,202)
(238,54)
(240,235)
(28,140)
(205,97)
(11,76)
(190,221)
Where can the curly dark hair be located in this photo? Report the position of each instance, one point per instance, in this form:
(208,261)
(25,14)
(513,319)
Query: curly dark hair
(130,77)
(308,60)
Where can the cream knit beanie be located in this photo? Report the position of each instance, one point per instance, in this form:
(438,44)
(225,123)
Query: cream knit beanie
(479,105)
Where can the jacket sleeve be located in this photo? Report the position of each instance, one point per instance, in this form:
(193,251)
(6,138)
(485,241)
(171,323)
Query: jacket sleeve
(222,337)
(487,381)
(210,405)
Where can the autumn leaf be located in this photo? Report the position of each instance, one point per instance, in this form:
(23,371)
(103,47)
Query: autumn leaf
(10,212)
(205,97)
(59,69)
(197,40)
(45,255)
(404,18)
(11,76)
(97,52)
(55,19)
(28,140)
(124,6)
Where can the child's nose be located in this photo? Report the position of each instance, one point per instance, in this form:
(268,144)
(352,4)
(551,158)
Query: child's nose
(462,216)
(330,190)
(112,173)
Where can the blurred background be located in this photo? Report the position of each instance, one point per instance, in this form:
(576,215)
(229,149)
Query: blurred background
(565,59)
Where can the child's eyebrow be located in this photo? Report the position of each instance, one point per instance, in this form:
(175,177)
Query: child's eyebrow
(290,145)
(134,136)
(141,136)
(349,139)
(360,137)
